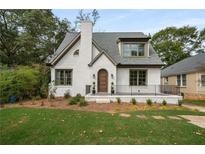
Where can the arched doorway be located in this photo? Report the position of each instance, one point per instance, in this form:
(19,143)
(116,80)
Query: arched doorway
(102,80)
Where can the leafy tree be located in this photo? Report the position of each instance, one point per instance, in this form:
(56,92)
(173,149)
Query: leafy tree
(29,36)
(202,41)
(174,44)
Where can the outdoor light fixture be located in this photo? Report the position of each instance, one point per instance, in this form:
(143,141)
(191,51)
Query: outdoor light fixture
(93,76)
(112,76)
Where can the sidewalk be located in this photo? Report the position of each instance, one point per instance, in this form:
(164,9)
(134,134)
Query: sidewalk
(200,108)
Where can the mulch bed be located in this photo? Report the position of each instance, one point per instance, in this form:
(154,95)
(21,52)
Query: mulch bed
(61,103)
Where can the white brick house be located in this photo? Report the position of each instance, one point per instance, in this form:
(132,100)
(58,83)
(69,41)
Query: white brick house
(108,62)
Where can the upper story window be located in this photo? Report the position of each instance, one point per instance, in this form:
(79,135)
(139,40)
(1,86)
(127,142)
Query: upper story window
(133,49)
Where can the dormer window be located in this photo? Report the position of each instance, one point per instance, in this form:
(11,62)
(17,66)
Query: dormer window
(133,49)
(76,53)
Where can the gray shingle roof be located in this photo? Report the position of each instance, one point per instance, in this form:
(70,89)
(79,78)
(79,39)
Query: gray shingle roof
(108,42)
(188,65)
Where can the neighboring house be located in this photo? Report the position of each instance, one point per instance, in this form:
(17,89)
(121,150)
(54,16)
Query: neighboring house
(105,61)
(188,75)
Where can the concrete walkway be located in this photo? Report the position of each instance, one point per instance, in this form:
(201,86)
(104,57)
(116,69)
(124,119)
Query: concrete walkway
(196,120)
(200,108)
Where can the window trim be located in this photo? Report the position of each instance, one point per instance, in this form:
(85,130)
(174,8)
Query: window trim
(64,77)
(122,49)
(146,77)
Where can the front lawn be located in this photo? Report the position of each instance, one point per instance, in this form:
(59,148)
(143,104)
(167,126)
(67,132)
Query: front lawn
(194,102)
(58,126)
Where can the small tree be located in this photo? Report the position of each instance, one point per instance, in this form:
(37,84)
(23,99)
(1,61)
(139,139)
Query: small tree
(164,102)
(133,101)
(118,100)
(149,102)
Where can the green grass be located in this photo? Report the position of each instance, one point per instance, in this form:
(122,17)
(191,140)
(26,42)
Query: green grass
(195,102)
(52,126)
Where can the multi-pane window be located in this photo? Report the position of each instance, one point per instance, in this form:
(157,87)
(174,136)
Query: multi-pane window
(133,49)
(64,77)
(178,80)
(138,77)
(181,80)
(203,80)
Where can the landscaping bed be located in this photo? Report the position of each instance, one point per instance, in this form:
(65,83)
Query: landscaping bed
(61,103)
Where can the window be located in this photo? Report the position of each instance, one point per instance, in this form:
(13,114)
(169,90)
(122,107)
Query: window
(138,77)
(76,53)
(166,80)
(133,49)
(203,80)
(178,80)
(63,77)
(181,80)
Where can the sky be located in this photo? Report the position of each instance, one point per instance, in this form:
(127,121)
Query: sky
(147,21)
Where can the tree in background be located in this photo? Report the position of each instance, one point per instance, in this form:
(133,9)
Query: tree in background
(202,41)
(29,36)
(174,44)
(92,16)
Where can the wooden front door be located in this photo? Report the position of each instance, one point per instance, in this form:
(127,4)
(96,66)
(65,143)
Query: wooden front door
(102,81)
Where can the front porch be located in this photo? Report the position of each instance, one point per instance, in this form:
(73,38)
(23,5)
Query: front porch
(157,93)
(108,98)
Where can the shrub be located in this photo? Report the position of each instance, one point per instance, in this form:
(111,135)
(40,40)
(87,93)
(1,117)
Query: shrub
(164,102)
(83,102)
(37,97)
(149,102)
(133,101)
(78,97)
(23,82)
(118,100)
(67,94)
(180,102)
(73,101)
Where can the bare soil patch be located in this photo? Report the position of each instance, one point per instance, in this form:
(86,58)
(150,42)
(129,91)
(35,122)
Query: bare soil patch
(112,108)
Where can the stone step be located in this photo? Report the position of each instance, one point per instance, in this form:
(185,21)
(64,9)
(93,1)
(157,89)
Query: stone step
(102,100)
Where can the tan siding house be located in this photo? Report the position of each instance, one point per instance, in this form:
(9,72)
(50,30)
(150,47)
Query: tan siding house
(188,75)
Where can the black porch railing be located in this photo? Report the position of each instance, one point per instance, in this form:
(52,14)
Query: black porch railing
(139,90)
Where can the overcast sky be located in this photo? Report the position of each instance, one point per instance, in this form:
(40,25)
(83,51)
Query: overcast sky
(147,21)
